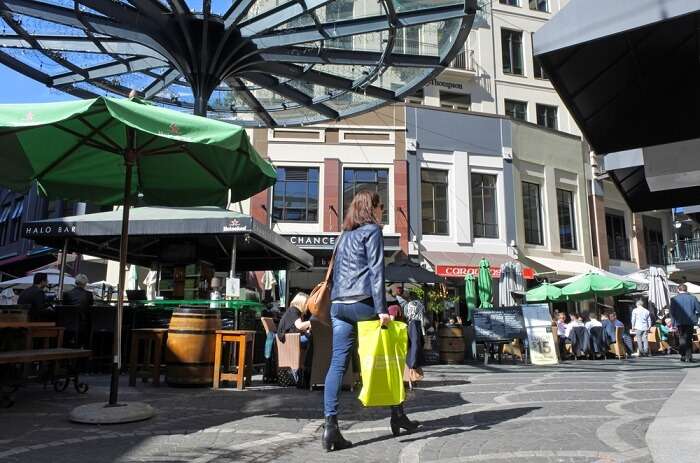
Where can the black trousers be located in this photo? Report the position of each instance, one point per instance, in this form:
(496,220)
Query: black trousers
(685,340)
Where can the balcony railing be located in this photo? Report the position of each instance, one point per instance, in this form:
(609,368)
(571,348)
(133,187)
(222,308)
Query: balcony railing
(683,251)
(464,61)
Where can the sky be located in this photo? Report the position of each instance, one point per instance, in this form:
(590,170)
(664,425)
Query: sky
(16,88)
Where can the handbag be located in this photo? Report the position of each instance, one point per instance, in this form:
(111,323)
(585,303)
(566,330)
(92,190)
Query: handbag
(319,301)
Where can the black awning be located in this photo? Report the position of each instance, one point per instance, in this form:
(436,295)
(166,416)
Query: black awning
(173,236)
(628,70)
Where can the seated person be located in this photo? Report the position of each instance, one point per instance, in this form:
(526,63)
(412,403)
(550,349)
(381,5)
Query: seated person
(592,322)
(561,331)
(626,339)
(79,295)
(663,333)
(35,296)
(293,320)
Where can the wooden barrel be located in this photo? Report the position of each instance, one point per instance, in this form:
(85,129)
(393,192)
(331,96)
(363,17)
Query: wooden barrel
(191,344)
(451,342)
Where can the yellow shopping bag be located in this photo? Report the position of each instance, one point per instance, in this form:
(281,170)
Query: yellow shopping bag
(382,361)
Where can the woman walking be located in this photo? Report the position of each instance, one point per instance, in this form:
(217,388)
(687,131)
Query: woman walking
(357,295)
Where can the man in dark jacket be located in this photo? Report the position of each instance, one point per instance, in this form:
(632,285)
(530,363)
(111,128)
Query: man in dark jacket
(684,312)
(34,296)
(79,295)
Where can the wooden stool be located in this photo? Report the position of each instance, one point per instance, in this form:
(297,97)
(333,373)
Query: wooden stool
(153,340)
(240,340)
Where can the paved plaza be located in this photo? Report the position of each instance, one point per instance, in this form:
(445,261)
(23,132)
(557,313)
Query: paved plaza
(577,412)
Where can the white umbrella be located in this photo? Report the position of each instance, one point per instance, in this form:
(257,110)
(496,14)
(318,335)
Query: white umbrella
(52,274)
(511,279)
(659,294)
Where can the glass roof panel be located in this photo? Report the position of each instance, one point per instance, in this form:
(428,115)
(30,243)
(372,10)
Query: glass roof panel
(37,26)
(262,6)
(37,60)
(411,5)
(341,10)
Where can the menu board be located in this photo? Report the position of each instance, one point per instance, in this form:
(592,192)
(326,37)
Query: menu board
(540,334)
(499,324)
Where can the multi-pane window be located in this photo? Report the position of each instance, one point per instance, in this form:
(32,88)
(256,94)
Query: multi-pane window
(416,97)
(618,244)
(355,180)
(532,213)
(433,190)
(295,195)
(654,240)
(547,116)
(540,5)
(459,101)
(512,51)
(516,110)
(510,2)
(567,220)
(484,206)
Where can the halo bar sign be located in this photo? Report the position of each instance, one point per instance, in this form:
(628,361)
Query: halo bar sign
(461,271)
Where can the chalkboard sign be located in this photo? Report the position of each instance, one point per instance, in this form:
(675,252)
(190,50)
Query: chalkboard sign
(499,324)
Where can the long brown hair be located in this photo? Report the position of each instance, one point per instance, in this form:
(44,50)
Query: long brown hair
(361,210)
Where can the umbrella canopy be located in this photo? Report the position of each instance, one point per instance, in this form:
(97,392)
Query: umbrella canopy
(406,271)
(510,281)
(593,285)
(546,292)
(177,159)
(52,275)
(659,293)
(470,294)
(108,151)
(484,284)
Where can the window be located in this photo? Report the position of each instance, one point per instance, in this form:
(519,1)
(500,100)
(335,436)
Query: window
(4,222)
(512,50)
(516,110)
(510,2)
(618,245)
(567,221)
(338,11)
(537,68)
(16,221)
(540,5)
(416,97)
(547,116)
(484,208)
(433,190)
(532,213)
(407,41)
(355,180)
(654,240)
(295,195)
(459,101)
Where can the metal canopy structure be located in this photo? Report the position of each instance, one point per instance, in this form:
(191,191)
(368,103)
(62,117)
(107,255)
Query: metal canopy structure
(252,62)
(628,70)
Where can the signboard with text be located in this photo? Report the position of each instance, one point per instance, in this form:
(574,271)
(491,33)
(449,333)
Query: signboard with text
(461,271)
(500,324)
(541,340)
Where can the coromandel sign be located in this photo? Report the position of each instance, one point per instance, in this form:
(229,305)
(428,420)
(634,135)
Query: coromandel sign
(461,271)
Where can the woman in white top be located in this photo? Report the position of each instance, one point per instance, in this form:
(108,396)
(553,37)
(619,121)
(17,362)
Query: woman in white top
(641,322)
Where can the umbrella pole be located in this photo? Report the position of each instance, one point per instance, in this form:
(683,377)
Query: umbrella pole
(62,273)
(123,246)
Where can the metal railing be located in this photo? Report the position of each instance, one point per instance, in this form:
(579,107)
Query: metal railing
(464,61)
(683,251)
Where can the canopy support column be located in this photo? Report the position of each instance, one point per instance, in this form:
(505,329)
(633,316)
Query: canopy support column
(62,274)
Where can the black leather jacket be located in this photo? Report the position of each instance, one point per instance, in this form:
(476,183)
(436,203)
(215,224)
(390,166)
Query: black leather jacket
(358,270)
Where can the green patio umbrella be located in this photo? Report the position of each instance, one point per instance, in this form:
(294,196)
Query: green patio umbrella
(470,294)
(485,284)
(546,292)
(111,151)
(594,285)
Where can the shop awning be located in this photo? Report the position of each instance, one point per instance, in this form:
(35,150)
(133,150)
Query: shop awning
(461,264)
(564,267)
(628,70)
(173,236)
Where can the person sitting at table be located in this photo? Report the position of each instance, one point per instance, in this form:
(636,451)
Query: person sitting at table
(79,295)
(626,339)
(292,320)
(598,339)
(35,296)
(593,322)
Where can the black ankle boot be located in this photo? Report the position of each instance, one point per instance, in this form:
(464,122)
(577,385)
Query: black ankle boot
(399,421)
(332,439)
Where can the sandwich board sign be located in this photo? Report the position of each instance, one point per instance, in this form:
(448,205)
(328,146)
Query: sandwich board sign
(540,336)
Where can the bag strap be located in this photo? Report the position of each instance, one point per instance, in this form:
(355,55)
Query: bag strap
(329,272)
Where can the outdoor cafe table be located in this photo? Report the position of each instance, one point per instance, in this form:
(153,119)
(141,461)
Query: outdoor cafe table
(235,305)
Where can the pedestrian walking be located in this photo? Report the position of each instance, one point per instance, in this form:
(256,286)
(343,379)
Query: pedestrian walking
(641,323)
(357,295)
(684,312)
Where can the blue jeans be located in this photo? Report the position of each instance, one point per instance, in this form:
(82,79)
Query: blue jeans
(344,318)
(304,340)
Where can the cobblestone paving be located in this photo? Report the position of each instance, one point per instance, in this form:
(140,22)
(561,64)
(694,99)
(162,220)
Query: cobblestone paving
(576,412)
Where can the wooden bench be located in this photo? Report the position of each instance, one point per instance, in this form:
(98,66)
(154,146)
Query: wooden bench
(60,381)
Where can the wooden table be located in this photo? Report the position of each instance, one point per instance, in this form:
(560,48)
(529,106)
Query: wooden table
(20,325)
(244,372)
